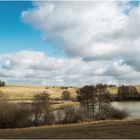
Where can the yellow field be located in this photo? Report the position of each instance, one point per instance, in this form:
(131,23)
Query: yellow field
(112,90)
(26,92)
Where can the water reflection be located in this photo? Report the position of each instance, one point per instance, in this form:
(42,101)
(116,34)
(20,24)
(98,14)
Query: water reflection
(132,108)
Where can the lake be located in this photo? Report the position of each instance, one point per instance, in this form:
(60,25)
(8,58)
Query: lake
(131,107)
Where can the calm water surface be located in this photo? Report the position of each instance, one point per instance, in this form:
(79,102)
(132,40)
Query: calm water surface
(132,108)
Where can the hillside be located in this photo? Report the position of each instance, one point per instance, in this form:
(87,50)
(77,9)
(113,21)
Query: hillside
(26,92)
(108,129)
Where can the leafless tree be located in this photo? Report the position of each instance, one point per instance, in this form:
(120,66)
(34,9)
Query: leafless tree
(41,106)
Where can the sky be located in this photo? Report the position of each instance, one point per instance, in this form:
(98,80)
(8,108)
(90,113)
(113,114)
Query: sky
(70,43)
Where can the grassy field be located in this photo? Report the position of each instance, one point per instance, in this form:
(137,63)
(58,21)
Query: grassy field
(108,130)
(113,90)
(26,92)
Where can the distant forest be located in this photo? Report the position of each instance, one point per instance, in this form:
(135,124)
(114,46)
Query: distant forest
(2,83)
(128,93)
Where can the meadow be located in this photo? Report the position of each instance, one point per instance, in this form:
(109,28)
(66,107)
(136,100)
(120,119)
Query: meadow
(96,129)
(26,92)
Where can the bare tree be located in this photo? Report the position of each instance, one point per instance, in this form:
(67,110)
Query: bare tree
(103,100)
(41,106)
(95,99)
(87,98)
(127,93)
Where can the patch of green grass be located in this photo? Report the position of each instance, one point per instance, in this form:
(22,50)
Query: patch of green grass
(107,129)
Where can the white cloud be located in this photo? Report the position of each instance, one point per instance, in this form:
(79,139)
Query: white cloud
(86,25)
(36,67)
(100,39)
(102,30)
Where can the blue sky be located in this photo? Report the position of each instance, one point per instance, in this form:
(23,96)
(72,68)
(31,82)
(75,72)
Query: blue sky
(70,43)
(15,35)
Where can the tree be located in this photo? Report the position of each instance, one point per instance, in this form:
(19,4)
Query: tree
(103,100)
(41,106)
(127,93)
(66,95)
(87,98)
(2,83)
(95,99)
(102,96)
(72,115)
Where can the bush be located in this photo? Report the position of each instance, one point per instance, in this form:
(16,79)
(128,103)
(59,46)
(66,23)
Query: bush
(72,115)
(50,119)
(66,95)
(111,113)
(64,87)
(40,107)
(14,115)
(57,99)
(2,83)
(117,114)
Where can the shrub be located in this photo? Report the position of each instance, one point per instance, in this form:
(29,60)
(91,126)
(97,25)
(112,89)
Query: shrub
(50,118)
(57,99)
(41,106)
(64,87)
(111,113)
(117,114)
(14,115)
(72,115)
(2,83)
(66,95)
(59,116)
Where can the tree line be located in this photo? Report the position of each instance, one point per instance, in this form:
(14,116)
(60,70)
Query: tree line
(2,83)
(96,100)
(128,93)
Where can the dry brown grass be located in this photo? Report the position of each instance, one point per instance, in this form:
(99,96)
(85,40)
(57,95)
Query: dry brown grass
(21,91)
(26,92)
(112,90)
(94,130)
(62,104)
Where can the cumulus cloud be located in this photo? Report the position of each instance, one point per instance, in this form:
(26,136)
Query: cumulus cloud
(100,40)
(36,67)
(97,30)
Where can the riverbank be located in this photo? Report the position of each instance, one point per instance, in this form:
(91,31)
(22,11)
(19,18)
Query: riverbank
(120,129)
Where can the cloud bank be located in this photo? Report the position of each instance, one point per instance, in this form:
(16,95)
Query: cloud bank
(100,40)
(38,68)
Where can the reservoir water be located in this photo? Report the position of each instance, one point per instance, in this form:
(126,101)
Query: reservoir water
(132,108)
